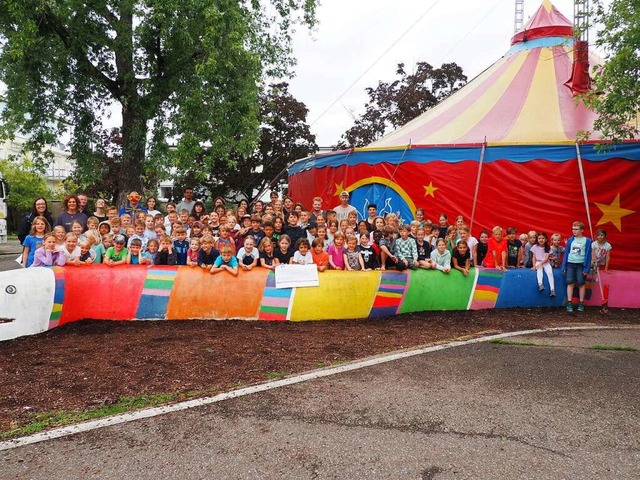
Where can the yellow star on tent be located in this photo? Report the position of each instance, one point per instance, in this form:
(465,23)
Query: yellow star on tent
(613,213)
(339,189)
(430,189)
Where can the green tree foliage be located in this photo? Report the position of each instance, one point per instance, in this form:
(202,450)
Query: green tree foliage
(184,72)
(26,183)
(616,92)
(284,137)
(393,104)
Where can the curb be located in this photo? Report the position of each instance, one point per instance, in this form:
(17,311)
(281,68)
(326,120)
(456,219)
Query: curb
(241,392)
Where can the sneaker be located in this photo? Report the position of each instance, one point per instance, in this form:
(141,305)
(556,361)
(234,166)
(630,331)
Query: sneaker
(570,307)
(553,293)
(540,287)
(581,307)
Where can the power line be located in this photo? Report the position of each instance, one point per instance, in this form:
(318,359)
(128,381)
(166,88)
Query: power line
(424,14)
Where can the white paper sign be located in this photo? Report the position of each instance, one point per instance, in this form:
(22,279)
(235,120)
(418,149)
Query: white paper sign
(290,276)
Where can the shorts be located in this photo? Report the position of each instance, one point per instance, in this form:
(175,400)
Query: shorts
(575,274)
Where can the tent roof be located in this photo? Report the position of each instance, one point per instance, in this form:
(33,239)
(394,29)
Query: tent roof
(520,99)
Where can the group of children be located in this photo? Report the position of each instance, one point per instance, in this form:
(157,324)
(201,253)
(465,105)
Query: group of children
(287,233)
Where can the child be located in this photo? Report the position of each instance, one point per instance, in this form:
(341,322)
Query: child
(165,254)
(135,256)
(352,258)
(601,251)
(540,258)
(101,248)
(267,259)
(207,254)
(321,233)
(71,249)
(104,228)
(496,251)
(387,248)
(138,233)
(248,256)
(181,245)
(302,256)
(117,254)
(406,250)
(192,253)
(481,249)
(336,252)
(224,240)
(61,234)
(320,257)
(461,258)
(283,253)
(149,228)
(424,250)
(514,248)
(293,230)
(369,255)
(255,231)
(33,241)
(556,252)
(152,249)
(576,264)
(226,261)
(278,228)
(87,256)
(464,234)
(444,225)
(47,255)
(532,239)
(77,228)
(441,257)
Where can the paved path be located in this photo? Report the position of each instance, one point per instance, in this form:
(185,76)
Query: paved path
(477,411)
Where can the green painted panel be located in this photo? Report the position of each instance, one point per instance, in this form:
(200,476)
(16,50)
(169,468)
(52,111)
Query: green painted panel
(434,290)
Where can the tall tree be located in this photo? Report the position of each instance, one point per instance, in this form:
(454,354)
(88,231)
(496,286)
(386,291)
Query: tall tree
(285,137)
(185,71)
(616,92)
(393,104)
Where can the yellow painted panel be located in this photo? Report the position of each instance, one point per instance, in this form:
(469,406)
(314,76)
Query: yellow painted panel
(485,295)
(540,118)
(476,112)
(341,295)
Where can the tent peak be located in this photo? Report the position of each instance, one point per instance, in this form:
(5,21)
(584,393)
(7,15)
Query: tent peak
(546,22)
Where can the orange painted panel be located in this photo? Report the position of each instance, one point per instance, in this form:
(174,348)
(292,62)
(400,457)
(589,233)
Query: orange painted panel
(198,294)
(102,292)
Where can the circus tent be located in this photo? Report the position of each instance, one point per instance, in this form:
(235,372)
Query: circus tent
(513,147)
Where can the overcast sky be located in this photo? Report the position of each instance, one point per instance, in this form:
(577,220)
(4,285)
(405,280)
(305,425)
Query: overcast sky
(353,35)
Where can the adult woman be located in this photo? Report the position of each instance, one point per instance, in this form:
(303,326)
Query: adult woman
(101,210)
(39,208)
(71,213)
(151,206)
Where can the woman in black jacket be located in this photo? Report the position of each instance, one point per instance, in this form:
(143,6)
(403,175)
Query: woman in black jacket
(40,207)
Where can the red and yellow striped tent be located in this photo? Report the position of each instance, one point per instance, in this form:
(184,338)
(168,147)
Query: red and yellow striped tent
(503,150)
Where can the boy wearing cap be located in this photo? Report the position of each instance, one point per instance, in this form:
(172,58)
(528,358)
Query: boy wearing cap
(117,254)
(342,210)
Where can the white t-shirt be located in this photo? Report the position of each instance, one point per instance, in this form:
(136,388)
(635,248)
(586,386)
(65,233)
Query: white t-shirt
(300,259)
(343,212)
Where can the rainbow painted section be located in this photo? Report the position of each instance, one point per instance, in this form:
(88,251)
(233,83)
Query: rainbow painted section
(60,295)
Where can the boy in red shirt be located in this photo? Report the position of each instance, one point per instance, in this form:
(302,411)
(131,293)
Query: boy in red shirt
(496,251)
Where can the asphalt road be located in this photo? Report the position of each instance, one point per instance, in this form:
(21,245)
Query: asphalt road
(478,411)
(9,251)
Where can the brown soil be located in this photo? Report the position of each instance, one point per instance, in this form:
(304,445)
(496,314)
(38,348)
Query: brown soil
(89,363)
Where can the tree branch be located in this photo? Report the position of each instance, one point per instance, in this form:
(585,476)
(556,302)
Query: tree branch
(78,53)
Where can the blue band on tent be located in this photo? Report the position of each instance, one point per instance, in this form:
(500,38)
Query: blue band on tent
(513,153)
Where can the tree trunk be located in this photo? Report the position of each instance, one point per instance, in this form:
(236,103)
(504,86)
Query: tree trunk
(134,142)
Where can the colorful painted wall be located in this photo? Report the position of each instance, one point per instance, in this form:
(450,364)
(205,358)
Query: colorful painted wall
(37,299)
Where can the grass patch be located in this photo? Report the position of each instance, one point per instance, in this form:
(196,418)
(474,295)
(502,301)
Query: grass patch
(40,421)
(276,375)
(623,348)
(503,341)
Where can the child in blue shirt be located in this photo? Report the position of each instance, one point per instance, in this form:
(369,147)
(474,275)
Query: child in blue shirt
(226,261)
(576,264)
(181,245)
